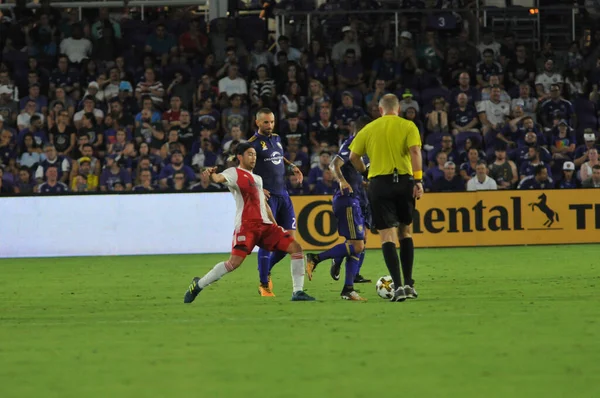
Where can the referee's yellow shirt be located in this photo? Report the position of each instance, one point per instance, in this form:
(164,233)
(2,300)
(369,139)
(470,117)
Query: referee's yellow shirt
(386,142)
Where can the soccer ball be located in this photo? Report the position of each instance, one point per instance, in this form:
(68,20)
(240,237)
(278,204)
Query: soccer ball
(385,287)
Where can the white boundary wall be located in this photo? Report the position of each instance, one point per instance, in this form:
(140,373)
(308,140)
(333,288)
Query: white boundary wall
(99,225)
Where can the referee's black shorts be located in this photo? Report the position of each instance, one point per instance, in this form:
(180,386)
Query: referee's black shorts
(392,203)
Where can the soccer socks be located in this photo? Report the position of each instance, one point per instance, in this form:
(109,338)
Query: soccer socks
(392,262)
(351,271)
(407,256)
(298,272)
(341,250)
(276,257)
(361,259)
(264,259)
(215,274)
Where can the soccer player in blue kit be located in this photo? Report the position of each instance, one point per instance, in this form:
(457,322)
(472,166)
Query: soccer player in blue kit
(350,207)
(272,167)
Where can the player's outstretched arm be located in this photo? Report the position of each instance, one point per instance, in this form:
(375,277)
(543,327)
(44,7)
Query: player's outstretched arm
(211,172)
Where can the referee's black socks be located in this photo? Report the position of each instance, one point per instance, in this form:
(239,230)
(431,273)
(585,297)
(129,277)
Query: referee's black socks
(407,257)
(391,261)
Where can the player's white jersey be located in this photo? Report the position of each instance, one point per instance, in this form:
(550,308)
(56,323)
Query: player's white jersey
(247,189)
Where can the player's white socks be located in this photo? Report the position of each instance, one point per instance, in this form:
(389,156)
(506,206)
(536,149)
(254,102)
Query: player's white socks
(298,271)
(215,274)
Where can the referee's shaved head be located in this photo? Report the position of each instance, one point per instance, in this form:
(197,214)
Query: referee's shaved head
(389,105)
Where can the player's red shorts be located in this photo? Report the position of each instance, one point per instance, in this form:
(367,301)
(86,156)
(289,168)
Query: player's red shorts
(270,237)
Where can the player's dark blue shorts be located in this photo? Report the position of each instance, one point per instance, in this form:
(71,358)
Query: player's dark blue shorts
(283,211)
(351,223)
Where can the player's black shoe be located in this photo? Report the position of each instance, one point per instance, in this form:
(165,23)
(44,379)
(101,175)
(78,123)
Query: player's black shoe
(410,292)
(399,295)
(361,279)
(192,291)
(334,271)
(300,295)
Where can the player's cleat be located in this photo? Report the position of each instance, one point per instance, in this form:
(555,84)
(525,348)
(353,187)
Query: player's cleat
(361,279)
(265,291)
(192,291)
(334,271)
(399,295)
(302,296)
(410,292)
(352,295)
(270,282)
(311,264)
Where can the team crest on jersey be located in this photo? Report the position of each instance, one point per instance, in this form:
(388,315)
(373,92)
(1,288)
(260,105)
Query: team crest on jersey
(263,145)
(241,238)
(360,229)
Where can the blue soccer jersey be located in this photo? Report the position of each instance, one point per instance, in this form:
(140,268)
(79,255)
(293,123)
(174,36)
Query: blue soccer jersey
(269,162)
(354,178)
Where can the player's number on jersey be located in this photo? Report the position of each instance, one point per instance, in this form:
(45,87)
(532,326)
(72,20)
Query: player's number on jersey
(294,223)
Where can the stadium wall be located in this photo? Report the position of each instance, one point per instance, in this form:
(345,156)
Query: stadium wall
(203,223)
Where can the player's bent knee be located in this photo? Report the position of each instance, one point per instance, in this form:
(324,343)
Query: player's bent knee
(294,247)
(404,231)
(358,245)
(388,235)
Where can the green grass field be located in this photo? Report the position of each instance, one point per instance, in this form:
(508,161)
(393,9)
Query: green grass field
(489,322)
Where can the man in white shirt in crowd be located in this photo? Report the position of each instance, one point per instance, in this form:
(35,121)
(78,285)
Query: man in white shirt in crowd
(232,83)
(493,113)
(546,79)
(349,42)
(76,47)
(481,182)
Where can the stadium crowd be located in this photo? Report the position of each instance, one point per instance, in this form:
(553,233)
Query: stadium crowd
(119,104)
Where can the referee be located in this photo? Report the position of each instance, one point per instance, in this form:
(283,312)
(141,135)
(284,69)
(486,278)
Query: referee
(393,145)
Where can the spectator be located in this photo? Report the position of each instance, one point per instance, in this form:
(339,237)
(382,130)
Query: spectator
(568,180)
(521,154)
(526,101)
(489,43)
(481,181)
(450,182)
(24,185)
(151,87)
(31,154)
(320,70)
(147,104)
(387,70)
(350,74)
(494,81)
(433,173)
(170,117)
(193,43)
(36,129)
(463,119)
(41,102)
(9,109)
(232,83)
(582,152)
(594,180)
(588,167)
(236,135)
(324,130)
(546,79)
(205,185)
(85,180)
(293,129)
(117,147)
(447,147)
(493,114)
(293,54)
(503,170)
(259,56)
(172,138)
(295,187)
(208,118)
(576,83)
(144,182)
(437,119)
(90,128)
(464,87)
(349,42)
(563,142)
(67,101)
(557,107)
(85,151)
(538,179)
(76,48)
(113,174)
(150,133)
(166,175)
(291,102)
(316,172)
(297,157)
(5,187)
(89,106)
(533,160)
(408,101)
(348,113)
(453,67)
(326,186)
(488,67)
(99,27)
(316,98)
(63,77)
(235,115)
(52,159)
(52,185)
(430,54)
(520,69)
(468,169)
(179,183)
(262,89)
(161,44)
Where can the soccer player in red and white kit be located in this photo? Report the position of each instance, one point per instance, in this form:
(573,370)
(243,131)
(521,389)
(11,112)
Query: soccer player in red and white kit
(254,226)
